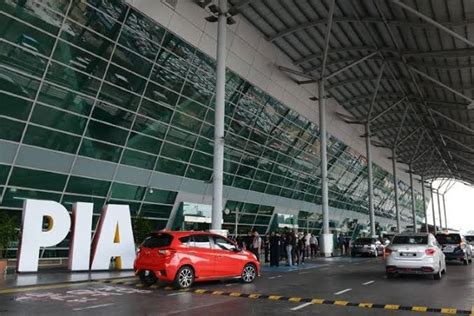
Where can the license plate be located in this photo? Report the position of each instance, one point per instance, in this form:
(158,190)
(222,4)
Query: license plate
(448,249)
(407,254)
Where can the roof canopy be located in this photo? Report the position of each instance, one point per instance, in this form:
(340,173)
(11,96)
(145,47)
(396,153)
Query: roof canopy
(411,76)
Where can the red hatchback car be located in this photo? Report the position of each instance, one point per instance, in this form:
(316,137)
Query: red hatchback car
(184,257)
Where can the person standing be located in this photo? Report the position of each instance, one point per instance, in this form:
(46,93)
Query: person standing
(266,247)
(289,248)
(313,244)
(307,244)
(274,249)
(256,244)
(301,248)
(341,243)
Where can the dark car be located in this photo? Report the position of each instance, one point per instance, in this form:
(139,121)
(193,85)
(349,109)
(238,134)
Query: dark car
(455,247)
(367,246)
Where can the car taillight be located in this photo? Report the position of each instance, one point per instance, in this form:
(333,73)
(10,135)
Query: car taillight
(388,251)
(430,252)
(165,252)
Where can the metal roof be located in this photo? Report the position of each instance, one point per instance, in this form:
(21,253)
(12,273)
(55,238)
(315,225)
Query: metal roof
(414,71)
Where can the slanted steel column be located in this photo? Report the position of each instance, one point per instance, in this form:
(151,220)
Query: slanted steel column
(445,213)
(218,165)
(395,186)
(433,208)
(425,211)
(439,211)
(413,211)
(370,180)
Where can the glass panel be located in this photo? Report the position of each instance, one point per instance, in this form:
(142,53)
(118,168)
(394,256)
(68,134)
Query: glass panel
(47,138)
(87,186)
(35,179)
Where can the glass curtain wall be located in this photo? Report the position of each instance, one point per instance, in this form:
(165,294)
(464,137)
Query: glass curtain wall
(102,85)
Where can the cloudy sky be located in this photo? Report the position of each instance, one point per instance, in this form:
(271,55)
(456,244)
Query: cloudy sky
(459,206)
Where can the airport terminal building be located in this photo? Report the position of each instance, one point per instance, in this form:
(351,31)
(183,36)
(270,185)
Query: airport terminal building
(113,102)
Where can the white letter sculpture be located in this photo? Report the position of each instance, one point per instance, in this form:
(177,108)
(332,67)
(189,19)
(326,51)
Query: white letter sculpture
(80,245)
(114,238)
(33,237)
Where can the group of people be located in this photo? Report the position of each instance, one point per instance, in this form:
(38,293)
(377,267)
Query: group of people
(287,245)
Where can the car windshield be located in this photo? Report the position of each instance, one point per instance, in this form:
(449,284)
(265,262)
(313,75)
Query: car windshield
(157,241)
(470,238)
(448,238)
(410,240)
(364,240)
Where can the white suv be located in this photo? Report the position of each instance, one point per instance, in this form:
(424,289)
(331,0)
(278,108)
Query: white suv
(415,253)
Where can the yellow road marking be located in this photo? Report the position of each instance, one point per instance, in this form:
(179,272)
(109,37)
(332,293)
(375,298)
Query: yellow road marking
(317,301)
(366,305)
(449,310)
(200,291)
(255,295)
(274,297)
(341,303)
(294,299)
(217,292)
(419,308)
(235,294)
(392,307)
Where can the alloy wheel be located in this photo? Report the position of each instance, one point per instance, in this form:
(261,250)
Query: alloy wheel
(185,277)
(249,273)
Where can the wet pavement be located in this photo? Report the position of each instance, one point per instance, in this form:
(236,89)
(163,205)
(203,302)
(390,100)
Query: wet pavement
(335,286)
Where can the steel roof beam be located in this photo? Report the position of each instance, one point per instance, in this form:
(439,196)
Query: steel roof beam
(452,121)
(400,128)
(333,51)
(433,22)
(367,19)
(404,139)
(374,95)
(462,95)
(379,115)
(351,65)
(297,73)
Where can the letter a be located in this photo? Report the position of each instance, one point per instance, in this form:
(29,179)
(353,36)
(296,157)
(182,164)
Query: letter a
(113,238)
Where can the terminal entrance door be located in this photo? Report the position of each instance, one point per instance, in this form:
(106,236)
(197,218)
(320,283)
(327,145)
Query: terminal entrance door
(196,216)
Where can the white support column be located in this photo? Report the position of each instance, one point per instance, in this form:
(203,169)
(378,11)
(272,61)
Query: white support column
(327,247)
(425,211)
(445,213)
(439,211)
(413,211)
(433,209)
(218,165)
(395,187)
(373,233)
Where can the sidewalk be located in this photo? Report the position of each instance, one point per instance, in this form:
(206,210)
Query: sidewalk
(58,276)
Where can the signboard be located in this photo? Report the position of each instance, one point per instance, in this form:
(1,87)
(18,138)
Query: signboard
(113,237)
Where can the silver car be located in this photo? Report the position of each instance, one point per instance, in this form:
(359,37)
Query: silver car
(415,253)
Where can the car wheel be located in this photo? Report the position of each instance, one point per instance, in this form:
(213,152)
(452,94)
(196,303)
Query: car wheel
(147,277)
(184,278)
(353,254)
(390,275)
(249,273)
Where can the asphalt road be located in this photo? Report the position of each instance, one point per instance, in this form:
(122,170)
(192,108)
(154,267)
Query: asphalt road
(336,280)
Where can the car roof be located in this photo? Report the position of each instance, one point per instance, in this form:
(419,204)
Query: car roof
(413,234)
(181,233)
